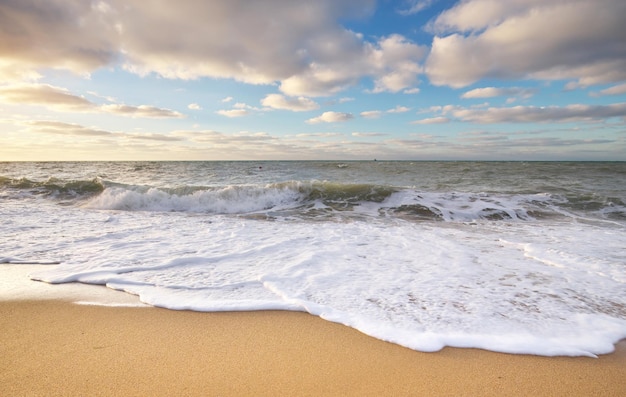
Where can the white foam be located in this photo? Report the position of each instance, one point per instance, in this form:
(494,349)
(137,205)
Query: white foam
(16,285)
(514,287)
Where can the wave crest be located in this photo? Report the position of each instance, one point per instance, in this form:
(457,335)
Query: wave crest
(54,187)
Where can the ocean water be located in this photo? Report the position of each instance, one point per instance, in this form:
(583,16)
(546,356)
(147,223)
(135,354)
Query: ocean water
(507,256)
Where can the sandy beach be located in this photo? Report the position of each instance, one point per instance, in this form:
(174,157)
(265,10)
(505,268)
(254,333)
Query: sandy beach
(54,348)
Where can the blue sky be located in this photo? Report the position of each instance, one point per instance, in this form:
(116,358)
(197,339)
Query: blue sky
(330,79)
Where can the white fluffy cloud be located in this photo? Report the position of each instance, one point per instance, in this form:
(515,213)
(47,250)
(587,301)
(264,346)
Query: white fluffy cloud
(299,104)
(374,114)
(490,92)
(432,120)
(331,117)
(399,109)
(371,114)
(232,113)
(561,39)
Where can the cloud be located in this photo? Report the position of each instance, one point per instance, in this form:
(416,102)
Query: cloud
(45,95)
(374,114)
(507,143)
(227,99)
(549,40)
(62,128)
(396,63)
(371,114)
(331,117)
(194,106)
(415,6)
(239,109)
(320,135)
(399,109)
(140,111)
(490,92)
(614,90)
(534,114)
(391,62)
(432,120)
(309,53)
(299,104)
(367,134)
(156,137)
(234,112)
(71,35)
(94,144)
(256,49)
(60,99)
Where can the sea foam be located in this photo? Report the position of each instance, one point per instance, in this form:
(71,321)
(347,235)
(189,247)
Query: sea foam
(511,287)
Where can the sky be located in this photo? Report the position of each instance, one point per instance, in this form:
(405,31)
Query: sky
(312,80)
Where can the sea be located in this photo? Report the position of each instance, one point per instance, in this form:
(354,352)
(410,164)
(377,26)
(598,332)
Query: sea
(515,257)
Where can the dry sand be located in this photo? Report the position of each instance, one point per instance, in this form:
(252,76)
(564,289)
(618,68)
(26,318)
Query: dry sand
(54,348)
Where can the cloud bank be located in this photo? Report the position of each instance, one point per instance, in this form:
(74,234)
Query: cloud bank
(548,40)
(298,44)
(301,45)
(61,100)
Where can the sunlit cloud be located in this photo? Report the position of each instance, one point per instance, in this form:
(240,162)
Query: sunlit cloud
(60,99)
(432,120)
(61,128)
(535,114)
(156,137)
(578,40)
(367,134)
(232,113)
(399,109)
(140,111)
(371,114)
(490,92)
(330,117)
(299,104)
(44,95)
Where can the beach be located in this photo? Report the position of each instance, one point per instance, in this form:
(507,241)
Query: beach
(56,347)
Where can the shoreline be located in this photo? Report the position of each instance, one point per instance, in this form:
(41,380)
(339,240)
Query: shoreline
(56,347)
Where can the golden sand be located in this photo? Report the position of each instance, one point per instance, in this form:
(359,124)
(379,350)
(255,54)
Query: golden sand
(55,348)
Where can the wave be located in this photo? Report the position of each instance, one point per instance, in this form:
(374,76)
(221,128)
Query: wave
(318,200)
(240,199)
(327,200)
(53,187)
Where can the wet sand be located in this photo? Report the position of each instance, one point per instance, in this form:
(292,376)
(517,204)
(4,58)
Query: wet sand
(54,348)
